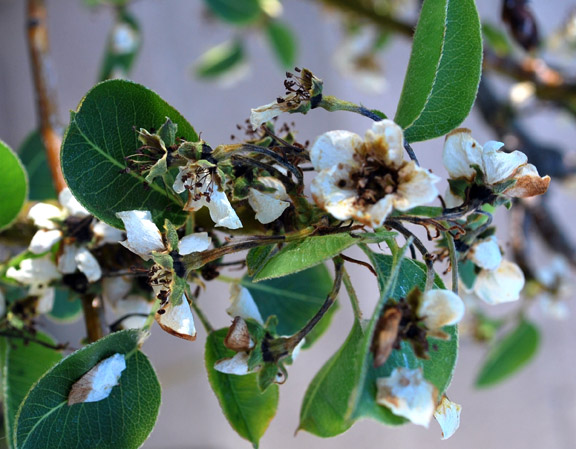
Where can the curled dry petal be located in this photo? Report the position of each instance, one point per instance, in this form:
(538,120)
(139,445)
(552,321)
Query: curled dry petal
(243,304)
(238,337)
(192,243)
(97,384)
(177,320)
(501,285)
(269,205)
(406,393)
(460,153)
(528,183)
(441,308)
(448,416)
(267,112)
(486,254)
(235,365)
(142,235)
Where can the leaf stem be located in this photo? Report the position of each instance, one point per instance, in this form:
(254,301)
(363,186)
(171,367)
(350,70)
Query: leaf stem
(351,294)
(453,260)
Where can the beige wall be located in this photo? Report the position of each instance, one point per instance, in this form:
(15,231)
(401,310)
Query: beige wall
(537,409)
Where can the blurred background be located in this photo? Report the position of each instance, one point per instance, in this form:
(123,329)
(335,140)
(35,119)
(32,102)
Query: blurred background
(534,409)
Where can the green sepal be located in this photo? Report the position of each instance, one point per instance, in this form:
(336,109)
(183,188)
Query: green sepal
(171,235)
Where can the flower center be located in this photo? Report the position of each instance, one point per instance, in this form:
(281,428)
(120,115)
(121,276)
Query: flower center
(373,182)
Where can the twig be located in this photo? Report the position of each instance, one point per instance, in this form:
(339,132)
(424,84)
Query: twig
(93,308)
(351,294)
(45,89)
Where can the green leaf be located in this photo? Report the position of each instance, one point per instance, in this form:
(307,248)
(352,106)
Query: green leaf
(65,309)
(220,60)
(247,409)
(295,299)
(298,256)
(444,70)
(19,374)
(497,39)
(13,185)
(509,354)
(283,42)
(256,258)
(237,12)
(122,420)
(100,135)
(325,404)
(122,48)
(32,152)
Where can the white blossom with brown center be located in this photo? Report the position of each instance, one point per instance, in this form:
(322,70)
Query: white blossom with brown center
(366,180)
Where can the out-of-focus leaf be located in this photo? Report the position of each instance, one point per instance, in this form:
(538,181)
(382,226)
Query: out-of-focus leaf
(237,12)
(32,152)
(508,355)
(13,186)
(283,42)
(65,309)
(221,60)
(122,48)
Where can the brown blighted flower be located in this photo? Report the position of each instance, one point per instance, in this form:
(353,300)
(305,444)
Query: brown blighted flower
(366,180)
(463,155)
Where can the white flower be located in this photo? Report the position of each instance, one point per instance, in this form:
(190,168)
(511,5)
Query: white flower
(269,205)
(366,180)
(448,416)
(204,191)
(177,319)
(243,305)
(462,152)
(37,274)
(97,384)
(105,233)
(133,304)
(486,254)
(406,393)
(440,308)
(501,285)
(78,257)
(143,237)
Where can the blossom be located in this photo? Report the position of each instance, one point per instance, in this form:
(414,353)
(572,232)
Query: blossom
(366,179)
(406,393)
(37,273)
(177,319)
(204,190)
(243,304)
(463,155)
(448,416)
(440,308)
(503,284)
(486,254)
(269,205)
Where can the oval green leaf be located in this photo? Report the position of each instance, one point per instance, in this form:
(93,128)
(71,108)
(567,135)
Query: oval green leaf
(67,308)
(122,420)
(32,152)
(237,12)
(100,135)
(220,60)
(283,42)
(295,299)
(247,409)
(444,70)
(19,374)
(298,256)
(508,355)
(13,185)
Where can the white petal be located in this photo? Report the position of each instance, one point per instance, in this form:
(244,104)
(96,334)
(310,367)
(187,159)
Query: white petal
(42,215)
(461,151)
(236,365)
(452,200)
(46,298)
(34,271)
(448,416)
(107,234)
(416,187)
(267,112)
(178,320)
(441,308)
(88,264)
(182,179)
(486,254)
(501,285)
(71,204)
(407,394)
(243,304)
(330,192)
(528,183)
(267,207)
(97,384)
(143,236)
(375,215)
(192,243)
(335,148)
(500,166)
(114,288)
(44,240)
(386,139)
(67,261)
(133,304)
(221,211)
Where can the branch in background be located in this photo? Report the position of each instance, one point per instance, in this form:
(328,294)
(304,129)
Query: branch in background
(93,308)
(44,86)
